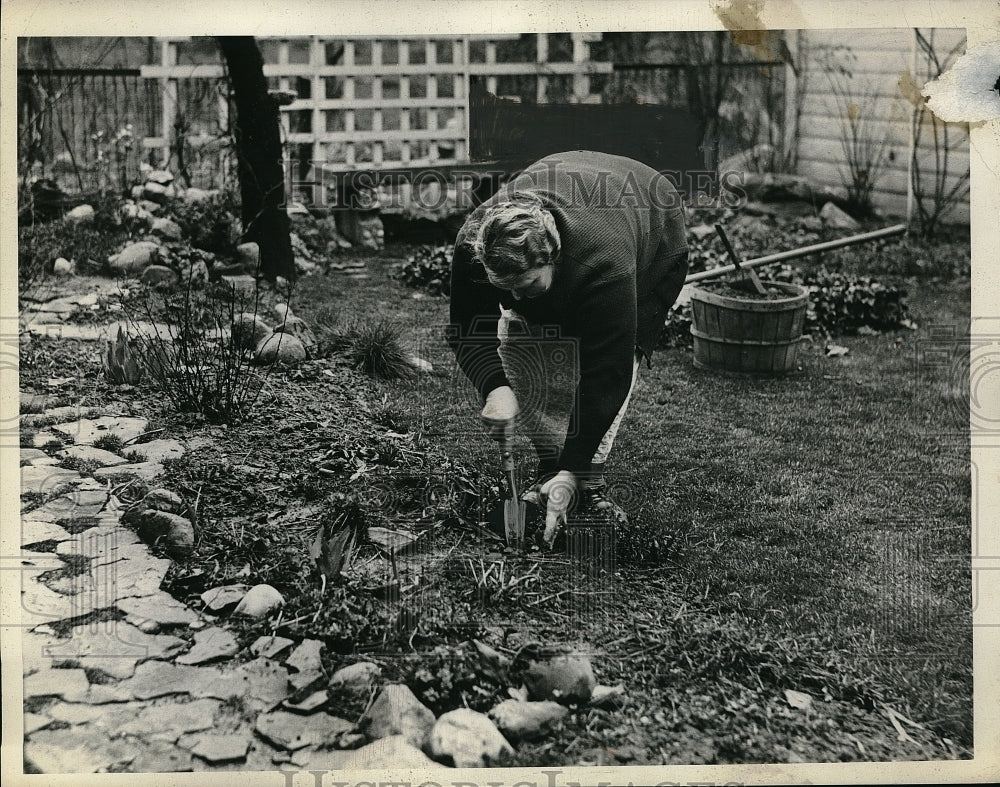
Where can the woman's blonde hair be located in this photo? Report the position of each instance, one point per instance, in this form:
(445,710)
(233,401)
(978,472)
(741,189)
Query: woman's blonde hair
(514,236)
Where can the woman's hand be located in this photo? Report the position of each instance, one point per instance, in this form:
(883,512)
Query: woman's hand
(499,412)
(557,493)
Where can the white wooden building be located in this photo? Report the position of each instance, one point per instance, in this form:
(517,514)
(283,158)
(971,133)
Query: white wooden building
(877,61)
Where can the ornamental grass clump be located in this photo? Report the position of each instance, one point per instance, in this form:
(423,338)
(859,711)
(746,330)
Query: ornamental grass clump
(375,350)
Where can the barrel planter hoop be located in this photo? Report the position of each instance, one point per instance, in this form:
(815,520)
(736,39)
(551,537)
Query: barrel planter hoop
(745,335)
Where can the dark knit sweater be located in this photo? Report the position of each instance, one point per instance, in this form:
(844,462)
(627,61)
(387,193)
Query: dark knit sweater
(621,266)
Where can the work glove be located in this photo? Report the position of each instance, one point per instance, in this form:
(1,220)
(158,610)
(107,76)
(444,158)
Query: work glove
(499,412)
(557,493)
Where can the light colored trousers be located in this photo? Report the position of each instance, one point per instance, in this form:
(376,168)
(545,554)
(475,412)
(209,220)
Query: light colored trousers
(543,370)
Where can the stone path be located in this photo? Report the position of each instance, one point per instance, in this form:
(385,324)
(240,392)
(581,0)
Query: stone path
(119,675)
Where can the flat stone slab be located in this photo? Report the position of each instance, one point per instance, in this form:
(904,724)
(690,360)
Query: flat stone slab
(159,450)
(46,479)
(311,703)
(86,430)
(48,461)
(33,562)
(156,756)
(89,332)
(46,438)
(160,607)
(72,506)
(87,453)
(110,718)
(33,532)
(145,471)
(306,657)
(216,600)
(80,332)
(220,747)
(71,585)
(98,543)
(291,731)
(211,644)
(261,682)
(29,455)
(68,684)
(57,306)
(34,722)
(169,720)
(316,759)
(136,576)
(34,652)
(80,751)
(114,647)
(41,605)
(271,647)
(161,678)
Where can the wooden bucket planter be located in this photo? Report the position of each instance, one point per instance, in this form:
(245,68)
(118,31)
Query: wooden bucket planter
(747,334)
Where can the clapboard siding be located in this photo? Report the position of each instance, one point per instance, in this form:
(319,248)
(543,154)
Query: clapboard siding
(877,59)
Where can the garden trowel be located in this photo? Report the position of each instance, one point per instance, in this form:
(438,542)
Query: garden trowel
(513,506)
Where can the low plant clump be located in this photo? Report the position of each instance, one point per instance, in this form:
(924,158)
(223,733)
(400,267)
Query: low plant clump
(429,269)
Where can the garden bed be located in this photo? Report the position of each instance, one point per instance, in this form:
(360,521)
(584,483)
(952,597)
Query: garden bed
(759,558)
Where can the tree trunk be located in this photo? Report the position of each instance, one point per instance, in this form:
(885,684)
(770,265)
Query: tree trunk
(257,133)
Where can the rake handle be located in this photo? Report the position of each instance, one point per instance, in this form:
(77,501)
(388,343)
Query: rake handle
(729,246)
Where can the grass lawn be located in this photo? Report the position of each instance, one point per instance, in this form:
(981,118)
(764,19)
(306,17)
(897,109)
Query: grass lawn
(803,533)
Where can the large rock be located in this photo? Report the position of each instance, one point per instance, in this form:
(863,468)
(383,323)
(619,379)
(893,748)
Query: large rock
(195,273)
(297,327)
(469,739)
(81,214)
(163,500)
(135,258)
(161,176)
(526,720)
(566,678)
(356,677)
(390,753)
(158,193)
(280,348)
(159,276)
(259,601)
(771,187)
(397,711)
(242,287)
(131,213)
(198,195)
(834,218)
(249,330)
(168,229)
(607,696)
(175,532)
